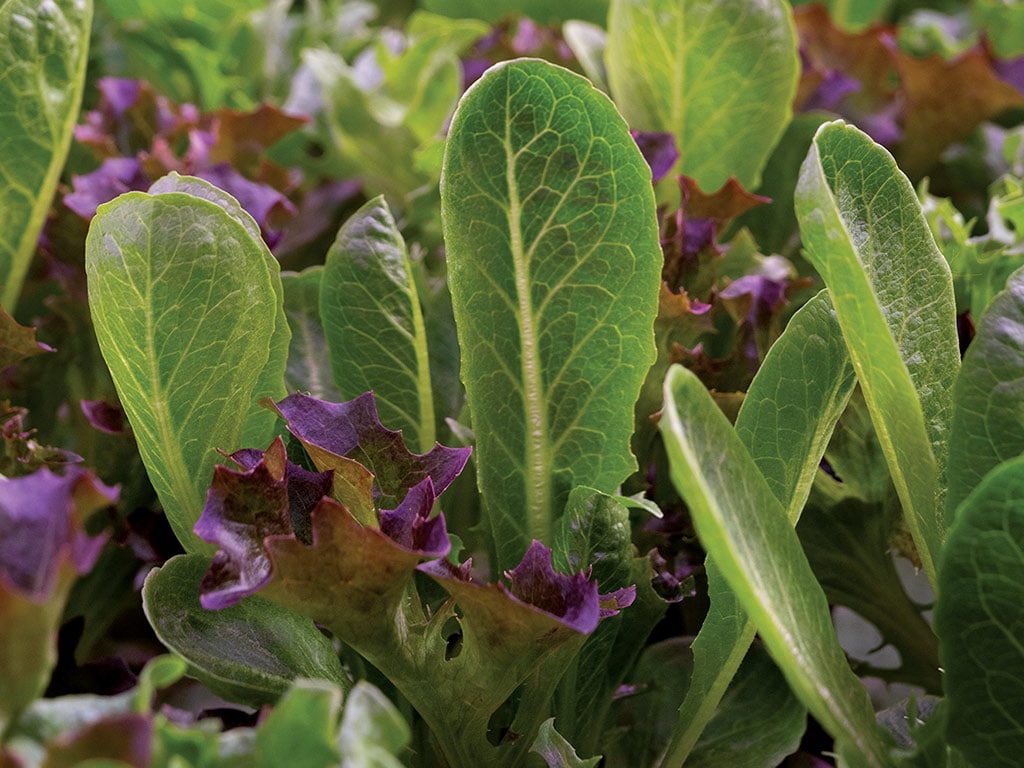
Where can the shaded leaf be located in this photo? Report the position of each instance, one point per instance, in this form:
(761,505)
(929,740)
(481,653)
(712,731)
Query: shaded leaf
(17,341)
(987,395)
(374,324)
(556,751)
(274,645)
(977,618)
(307,370)
(553,265)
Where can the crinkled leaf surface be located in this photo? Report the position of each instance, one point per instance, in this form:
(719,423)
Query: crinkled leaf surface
(978,618)
(43,52)
(249,652)
(988,397)
(374,324)
(865,233)
(745,529)
(785,423)
(554,268)
(308,369)
(185,311)
(720,75)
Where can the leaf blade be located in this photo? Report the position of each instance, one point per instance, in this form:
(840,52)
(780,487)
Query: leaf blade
(184,309)
(554,263)
(719,75)
(745,529)
(864,232)
(43,53)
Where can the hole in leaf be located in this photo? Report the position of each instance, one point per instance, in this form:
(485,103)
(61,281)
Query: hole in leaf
(452,633)
(499,727)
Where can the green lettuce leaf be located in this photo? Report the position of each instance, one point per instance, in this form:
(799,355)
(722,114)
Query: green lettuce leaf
(554,266)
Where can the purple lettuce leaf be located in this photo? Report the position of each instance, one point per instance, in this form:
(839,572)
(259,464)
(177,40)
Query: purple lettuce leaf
(353,430)
(659,150)
(42,518)
(115,176)
(106,417)
(243,509)
(573,600)
(411,526)
(20,454)
(17,341)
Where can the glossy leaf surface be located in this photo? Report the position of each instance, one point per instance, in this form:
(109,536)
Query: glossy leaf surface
(43,53)
(554,266)
(865,233)
(720,75)
(745,529)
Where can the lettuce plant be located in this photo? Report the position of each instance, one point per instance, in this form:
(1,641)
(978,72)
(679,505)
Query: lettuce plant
(412,485)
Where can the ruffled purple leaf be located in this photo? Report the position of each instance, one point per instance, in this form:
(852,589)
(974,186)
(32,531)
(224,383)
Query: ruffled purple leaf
(103,416)
(42,519)
(659,150)
(115,176)
(411,526)
(573,600)
(353,430)
(611,603)
(244,508)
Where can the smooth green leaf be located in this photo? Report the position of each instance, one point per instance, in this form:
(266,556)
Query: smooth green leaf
(372,731)
(374,324)
(185,310)
(785,423)
(720,75)
(308,369)
(988,403)
(260,423)
(554,268)
(978,618)
(745,529)
(865,233)
(43,51)
(302,729)
(249,653)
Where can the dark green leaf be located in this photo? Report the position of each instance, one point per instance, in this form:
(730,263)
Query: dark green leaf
(308,367)
(554,267)
(249,653)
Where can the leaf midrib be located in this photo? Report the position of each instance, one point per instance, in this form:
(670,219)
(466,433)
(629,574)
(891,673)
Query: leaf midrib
(535,460)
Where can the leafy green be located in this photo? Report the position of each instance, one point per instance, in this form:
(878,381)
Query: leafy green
(185,309)
(307,368)
(374,324)
(720,75)
(249,653)
(554,261)
(744,528)
(43,53)
(986,415)
(594,11)
(785,423)
(556,751)
(978,617)
(864,231)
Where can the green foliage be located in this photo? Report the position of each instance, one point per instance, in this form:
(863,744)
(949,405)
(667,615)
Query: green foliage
(688,68)
(43,53)
(186,307)
(553,267)
(374,324)
(865,233)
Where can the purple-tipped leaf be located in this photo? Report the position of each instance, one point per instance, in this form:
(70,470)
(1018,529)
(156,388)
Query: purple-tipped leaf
(659,150)
(353,430)
(410,523)
(573,600)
